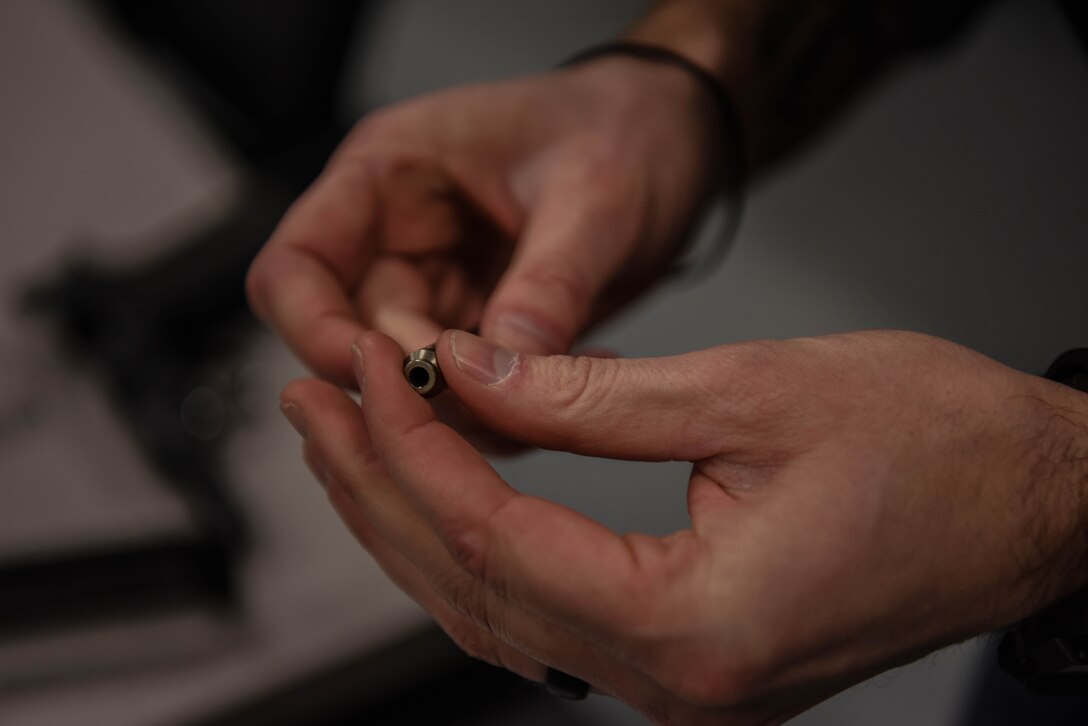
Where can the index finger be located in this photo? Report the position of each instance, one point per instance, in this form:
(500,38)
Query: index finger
(300,283)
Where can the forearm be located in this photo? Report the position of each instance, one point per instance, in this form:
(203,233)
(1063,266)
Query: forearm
(791,64)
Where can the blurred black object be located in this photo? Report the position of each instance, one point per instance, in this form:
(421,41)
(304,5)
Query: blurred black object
(1077,12)
(1001,700)
(383,687)
(263,75)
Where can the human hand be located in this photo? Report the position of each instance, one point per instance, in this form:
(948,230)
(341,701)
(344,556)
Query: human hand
(856,501)
(530,208)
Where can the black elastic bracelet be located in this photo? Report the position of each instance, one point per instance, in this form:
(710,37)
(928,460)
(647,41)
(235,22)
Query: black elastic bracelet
(734,150)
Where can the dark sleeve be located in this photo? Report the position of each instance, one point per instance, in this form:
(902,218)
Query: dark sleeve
(831,52)
(926,24)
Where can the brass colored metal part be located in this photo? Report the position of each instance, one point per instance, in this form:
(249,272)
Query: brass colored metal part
(422,372)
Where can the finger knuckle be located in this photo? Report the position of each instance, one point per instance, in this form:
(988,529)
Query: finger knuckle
(468,548)
(583,385)
(469,545)
(564,288)
(462,591)
(477,607)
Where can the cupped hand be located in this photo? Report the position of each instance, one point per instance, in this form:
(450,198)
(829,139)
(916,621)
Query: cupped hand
(529,208)
(856,501)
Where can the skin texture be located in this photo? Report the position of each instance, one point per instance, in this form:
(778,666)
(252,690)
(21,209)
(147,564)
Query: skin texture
(856,501)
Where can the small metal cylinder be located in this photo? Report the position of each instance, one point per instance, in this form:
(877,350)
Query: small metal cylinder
(422,372)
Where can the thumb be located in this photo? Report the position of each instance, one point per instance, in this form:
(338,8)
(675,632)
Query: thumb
(571,251)
(650,409)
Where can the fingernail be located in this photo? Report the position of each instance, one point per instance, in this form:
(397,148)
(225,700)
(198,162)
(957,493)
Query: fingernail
(295,417)
(357,364)
(483,361)
(522,333)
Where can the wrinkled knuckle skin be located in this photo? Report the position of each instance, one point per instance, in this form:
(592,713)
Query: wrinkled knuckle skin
(468,548)
(471,590)
(462,592)
(583,385)
(476,607)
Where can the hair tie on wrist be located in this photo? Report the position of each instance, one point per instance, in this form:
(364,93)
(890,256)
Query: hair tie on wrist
(734,149)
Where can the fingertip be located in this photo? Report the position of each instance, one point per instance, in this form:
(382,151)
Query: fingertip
(299,392)
(410,329)
(255,286)
(387,396)
(327,350)
(368,346)
(307,400)
(372,345)
(290,392)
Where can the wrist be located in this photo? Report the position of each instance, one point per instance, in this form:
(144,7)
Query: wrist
(713,36)
(693,127)
(709,34)
(790,65)
(1048,651)
(1055,558)
(659,111)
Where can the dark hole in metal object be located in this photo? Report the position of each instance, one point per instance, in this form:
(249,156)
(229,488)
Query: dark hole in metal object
(420,377)
(422,372)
